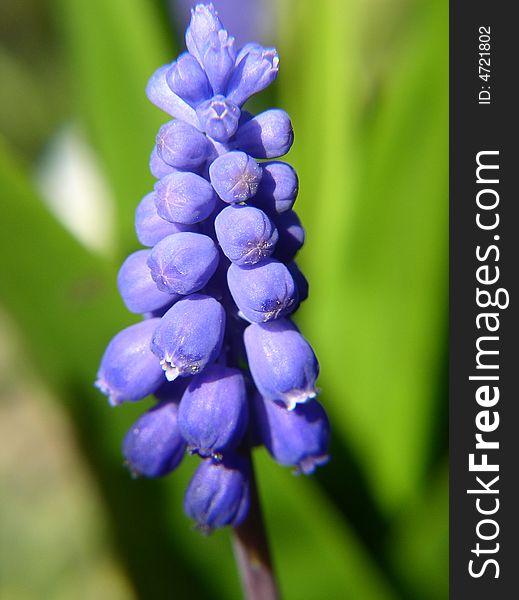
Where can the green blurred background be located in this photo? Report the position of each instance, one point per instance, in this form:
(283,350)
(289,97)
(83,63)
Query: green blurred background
(365,82)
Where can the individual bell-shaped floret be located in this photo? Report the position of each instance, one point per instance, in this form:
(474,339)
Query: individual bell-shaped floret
(153,446)
(187,79)
(213,413)
(246,234)
(291,235)
(263,292)
(158,167)
(256,68)
(278,188)
(182,146)
(159,92)
(189,336)
(184,197)
(138,290)
(129,371)
(298,438)
(267,135)
(150,227)
(235,176)
(282,363)
(218,59)
(218,493)
(219,118)
(183,263)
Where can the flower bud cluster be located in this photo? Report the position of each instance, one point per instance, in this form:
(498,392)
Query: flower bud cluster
(216,285)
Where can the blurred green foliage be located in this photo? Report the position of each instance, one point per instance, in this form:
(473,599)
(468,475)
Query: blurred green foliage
(365,82)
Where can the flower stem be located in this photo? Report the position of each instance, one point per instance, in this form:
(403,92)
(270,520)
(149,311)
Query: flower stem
(252,554)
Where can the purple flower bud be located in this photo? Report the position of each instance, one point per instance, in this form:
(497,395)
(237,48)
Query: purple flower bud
(129,371)
(235,176)
(153,446)
(213,413)
(262,292)
(182,146)
(159,92)
(282,362)
(298,437)
(299,280)
(211,45)
(256,68)
(278,188)
(246,234)
(137,288)
(204,22)
(218,493)
(267,135)
(218,59)
(150,227)
(189,336)
(184,197)
(187,79)
(158,167)
(291,235)
(219,118)
(183,263)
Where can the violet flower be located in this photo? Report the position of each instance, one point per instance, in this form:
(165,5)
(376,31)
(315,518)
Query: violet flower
(216,285)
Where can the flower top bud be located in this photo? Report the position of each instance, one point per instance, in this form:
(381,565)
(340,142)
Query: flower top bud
(219,118)
(256,68)
(211,45)
(153,446)
(129,371)
(204,22)
(187,79)
(218,493)
(235,176)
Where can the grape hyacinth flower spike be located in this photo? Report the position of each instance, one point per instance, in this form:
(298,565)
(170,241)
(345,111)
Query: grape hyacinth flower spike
(217,285)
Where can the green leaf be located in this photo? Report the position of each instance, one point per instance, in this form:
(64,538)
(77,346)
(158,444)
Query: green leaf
(63,296)
(374,201)
(315,552)
(421,541)
(64,299)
